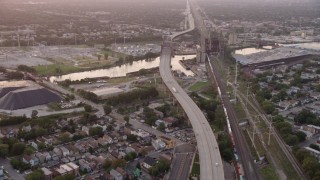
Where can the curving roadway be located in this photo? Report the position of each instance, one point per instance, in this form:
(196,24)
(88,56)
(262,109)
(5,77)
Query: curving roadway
(211,167)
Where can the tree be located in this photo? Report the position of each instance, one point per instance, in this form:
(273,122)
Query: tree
(99,57)
(132,137)
(268,107)
(306,117)
(118,163)
(107,164)
(161,127)
(93,131)
(35,175)
(301,136)
(28,150)
(106,55)
(34,114)
(65,177)
(4,150)
(107,109)
(130,156)
(126,118)
(88,108)
(17,149)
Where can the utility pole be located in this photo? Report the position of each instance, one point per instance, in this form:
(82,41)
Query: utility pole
(270,131)
(248,86)
(19,38)
(235,83)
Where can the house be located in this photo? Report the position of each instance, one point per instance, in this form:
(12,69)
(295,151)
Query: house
(65,151)
(169,121)
(54,156)
(148,162)
(75,168)
(47,173)
(1,172)
(84,165)
(104,127)
(158,144)
(313,152)
(58,151)
(116,175)
(315,95)
(311,129)
(169,142)
(32,160)
(43,157)
(85,129)
(67,168)
(34,145)
(59,172)
(26,128)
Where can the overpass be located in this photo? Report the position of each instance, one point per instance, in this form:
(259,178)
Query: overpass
(211,167)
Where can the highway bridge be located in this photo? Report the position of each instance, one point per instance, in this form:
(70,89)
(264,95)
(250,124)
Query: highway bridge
(211,167)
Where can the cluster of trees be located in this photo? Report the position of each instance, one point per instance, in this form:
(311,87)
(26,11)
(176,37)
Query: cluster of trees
(107,165)
(130,156)
(137,94)
(159,168)
(25,68)
(95,131)
(285,129)
(13,120)
(19,165)
(150,116)
(34,133)
(15,75)
(225,147)
(307,117)
(2,69)
(88,95)
(309,163)
(12,147)
(215,113)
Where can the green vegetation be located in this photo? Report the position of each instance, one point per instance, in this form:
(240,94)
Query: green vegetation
(65,177)
(198,86)
(150,116)
(225,147)
(88,95)
(130,156)
(93,131)
(309,163)
(159,168)
(195,171)
(129,97)
(268,172)
(35,175)
(54,69)
(19,165)
(25,68)
(8,121)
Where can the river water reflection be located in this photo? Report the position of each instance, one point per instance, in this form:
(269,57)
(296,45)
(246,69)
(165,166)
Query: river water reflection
(120,71)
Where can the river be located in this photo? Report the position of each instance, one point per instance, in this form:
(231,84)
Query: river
(120,71)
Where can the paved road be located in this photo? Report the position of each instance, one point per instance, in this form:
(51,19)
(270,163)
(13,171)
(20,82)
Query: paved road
(181,166)
(211,167)
(12,173)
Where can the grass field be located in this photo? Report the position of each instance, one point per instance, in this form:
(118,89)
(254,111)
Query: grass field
(198,86)
(54,69)
(195,167)
(267,172)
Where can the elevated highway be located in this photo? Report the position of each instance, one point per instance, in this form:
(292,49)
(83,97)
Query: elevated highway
(211,167)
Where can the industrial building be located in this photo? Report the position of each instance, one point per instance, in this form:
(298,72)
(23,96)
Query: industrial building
(23,94)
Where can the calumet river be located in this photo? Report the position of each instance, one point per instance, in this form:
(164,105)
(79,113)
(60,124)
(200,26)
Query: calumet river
(120,71)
